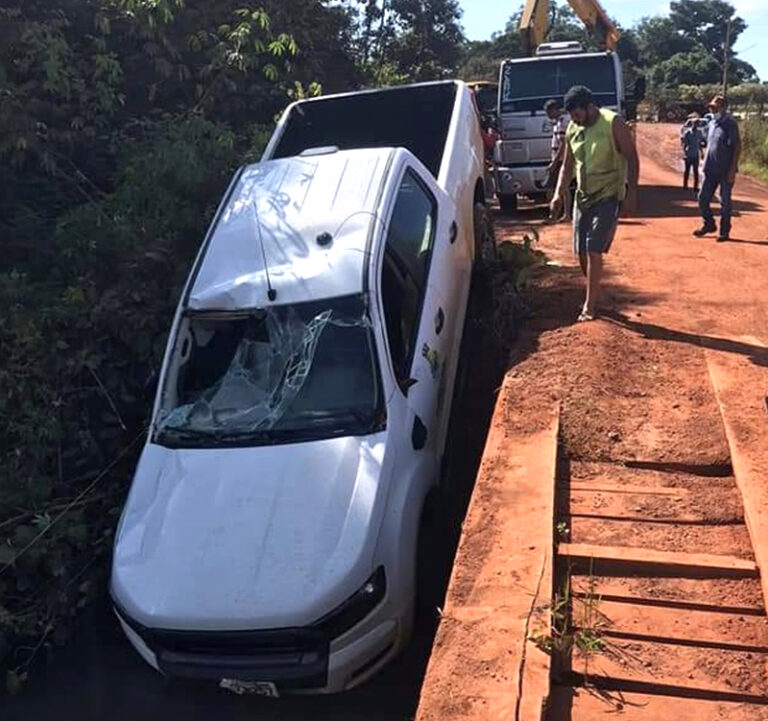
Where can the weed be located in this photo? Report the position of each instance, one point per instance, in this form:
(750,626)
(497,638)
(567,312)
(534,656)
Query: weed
(574,622)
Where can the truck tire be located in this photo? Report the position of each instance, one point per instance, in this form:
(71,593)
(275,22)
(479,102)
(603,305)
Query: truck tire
(485,241)
(508,203)
(428,587)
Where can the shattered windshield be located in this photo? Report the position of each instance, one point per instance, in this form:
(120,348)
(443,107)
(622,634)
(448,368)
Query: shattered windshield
(291,372)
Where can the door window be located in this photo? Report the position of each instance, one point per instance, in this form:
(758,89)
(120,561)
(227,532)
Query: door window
(405,270)
(412,227)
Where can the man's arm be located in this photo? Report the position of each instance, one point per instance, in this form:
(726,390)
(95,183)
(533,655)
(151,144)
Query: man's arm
(626,146)
(563,180)
(736,153)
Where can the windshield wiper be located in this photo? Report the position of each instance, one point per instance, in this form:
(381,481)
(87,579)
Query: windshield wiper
(184,436)
(364,419)
(337,422)
(368,421)
(256,436)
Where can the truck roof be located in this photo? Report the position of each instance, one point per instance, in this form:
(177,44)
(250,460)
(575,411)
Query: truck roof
(558,56)
(272,229)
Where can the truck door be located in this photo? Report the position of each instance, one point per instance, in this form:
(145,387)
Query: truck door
(450,274)
(416,322)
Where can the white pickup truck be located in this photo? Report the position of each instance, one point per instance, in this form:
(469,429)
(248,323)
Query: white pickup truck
(269,540)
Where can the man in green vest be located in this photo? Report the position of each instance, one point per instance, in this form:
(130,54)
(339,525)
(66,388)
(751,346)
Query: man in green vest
(601,151)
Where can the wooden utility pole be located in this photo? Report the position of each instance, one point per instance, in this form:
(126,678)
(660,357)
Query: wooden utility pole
(727,58)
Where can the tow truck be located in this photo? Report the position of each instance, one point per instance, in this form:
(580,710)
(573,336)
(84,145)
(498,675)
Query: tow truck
(523,150)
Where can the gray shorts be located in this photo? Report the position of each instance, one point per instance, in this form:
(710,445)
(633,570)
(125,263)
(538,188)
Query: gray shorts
(594,228)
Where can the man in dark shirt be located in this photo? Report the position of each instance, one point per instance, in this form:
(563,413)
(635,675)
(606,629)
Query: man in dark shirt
(692,141)
(720,167)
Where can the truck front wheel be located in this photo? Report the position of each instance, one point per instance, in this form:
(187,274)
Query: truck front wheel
(508,203)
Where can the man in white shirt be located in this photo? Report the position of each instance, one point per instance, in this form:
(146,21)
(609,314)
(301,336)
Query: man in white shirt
(560,121)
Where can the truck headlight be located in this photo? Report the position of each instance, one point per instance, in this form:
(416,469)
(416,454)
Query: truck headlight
(356,607)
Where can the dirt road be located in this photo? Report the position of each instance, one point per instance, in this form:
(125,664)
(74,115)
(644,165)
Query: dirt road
(655,563)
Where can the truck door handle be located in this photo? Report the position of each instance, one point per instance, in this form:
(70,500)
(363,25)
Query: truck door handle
(439,321)
(418,434)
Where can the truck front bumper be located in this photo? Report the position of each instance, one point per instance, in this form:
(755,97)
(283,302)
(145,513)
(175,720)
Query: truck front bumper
(521,181)
(302,662)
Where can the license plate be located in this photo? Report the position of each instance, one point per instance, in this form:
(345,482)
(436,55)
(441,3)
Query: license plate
(250,688)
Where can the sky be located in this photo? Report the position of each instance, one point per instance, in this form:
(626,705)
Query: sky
(484,17)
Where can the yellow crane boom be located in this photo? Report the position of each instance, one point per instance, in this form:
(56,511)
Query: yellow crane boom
(534,23)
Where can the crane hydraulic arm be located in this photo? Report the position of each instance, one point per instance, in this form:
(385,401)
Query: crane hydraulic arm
(534,23)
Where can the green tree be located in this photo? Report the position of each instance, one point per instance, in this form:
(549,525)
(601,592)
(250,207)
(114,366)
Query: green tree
(658,39)
(482,59)
(742,72)
(705,22)
(402,40)
(689,45)
(120,124)
(429,42)
(692,68)
(565,25)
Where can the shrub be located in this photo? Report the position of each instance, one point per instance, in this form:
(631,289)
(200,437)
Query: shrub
(78,344)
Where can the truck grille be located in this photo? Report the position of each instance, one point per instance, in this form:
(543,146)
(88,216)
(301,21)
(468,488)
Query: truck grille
(292,658)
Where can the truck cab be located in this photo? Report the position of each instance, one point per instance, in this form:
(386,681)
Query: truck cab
(523,151)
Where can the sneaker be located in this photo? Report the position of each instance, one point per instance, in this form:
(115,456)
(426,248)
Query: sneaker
(704,230)
(723,237)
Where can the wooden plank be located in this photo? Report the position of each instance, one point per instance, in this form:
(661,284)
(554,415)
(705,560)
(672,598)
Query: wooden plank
(602,487)
(670,669)
(482,662)
(672,561)
(717,595)
(592,705)
(703,629)
(634,505)
(739,386)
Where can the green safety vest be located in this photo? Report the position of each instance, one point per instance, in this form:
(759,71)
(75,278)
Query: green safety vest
(601,170)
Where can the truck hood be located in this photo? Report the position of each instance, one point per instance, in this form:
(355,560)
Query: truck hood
(248,538)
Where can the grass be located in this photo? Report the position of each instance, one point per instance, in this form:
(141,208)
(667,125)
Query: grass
(755,151)
(754,170)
